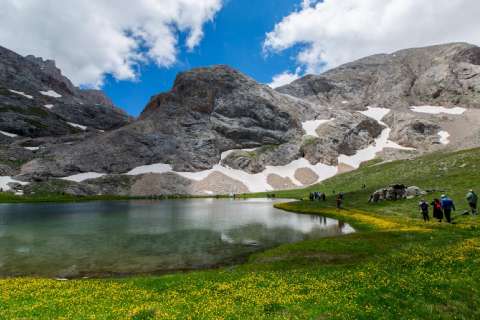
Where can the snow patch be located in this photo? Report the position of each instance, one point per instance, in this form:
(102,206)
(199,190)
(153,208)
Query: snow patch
(438,110)
(48,106)
(51,93)
(254,182)
(32,148)
(311,126)
(21,93)
(76,125)
(8,134)
(152,168)
(5,180)
(83,176)
(444,137)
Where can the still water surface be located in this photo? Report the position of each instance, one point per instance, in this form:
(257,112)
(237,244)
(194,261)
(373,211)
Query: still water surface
(132,237)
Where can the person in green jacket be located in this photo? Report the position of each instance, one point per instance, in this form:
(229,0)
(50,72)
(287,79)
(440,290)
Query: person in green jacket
(472,200)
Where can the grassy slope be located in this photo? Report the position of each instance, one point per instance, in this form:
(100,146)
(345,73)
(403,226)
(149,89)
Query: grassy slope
(396,267)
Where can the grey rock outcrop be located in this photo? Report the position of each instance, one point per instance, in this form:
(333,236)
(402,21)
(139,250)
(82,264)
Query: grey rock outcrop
(412,131)
(255,161)
(346,134)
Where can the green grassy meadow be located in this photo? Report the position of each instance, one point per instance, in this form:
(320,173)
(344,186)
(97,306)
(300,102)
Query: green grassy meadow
(395,266)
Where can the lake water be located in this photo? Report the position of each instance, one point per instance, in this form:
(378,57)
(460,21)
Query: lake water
(133,237)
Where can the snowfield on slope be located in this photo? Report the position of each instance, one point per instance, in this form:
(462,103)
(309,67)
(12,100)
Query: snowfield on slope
(51,93)
(438,110)
(8,134)
(5,180)
(76,125)
(21,94)
(83,176)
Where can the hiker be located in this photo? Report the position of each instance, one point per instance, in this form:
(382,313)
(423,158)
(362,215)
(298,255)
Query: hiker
(424,209)
(437,210)
(339,200)
(472,200)
(447,206)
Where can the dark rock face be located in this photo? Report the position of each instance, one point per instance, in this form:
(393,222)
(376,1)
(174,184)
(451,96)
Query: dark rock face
(438,75)
(208,111)
(34,114)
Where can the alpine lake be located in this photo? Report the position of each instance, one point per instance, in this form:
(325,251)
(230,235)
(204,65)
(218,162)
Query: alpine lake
(116,238)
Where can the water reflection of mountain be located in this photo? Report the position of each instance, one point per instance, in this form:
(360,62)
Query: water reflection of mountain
(135,237)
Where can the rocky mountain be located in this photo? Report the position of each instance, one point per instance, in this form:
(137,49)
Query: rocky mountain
(208,111)
(444,75)
(36,100)
(219,131)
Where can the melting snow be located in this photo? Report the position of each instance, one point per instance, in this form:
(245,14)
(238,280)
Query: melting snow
(21,93)
(83,176)
(76,125)
(5,180)
(48,106)
(8,134)
(444,137)
(153,168)
(51,93)
(311,126)
(254,182)
(438,110)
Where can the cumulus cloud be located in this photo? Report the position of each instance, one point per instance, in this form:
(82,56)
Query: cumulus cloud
(284,78)
(333,32)
(89,39)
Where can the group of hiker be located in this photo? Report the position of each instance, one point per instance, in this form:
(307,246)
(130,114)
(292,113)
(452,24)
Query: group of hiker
(443,207)
(317,196)
(321,196)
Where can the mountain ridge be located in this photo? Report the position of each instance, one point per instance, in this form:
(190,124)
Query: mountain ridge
(218,130)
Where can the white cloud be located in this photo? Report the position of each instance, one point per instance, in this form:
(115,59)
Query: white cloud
(91,38)
(284,78)
(339,31)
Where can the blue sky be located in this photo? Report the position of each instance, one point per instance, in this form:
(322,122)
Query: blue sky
(235,37)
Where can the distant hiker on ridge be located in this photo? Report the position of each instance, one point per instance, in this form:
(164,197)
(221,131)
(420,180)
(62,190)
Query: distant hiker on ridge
(447,206)
(424,209)
(437,209)
(472,200)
